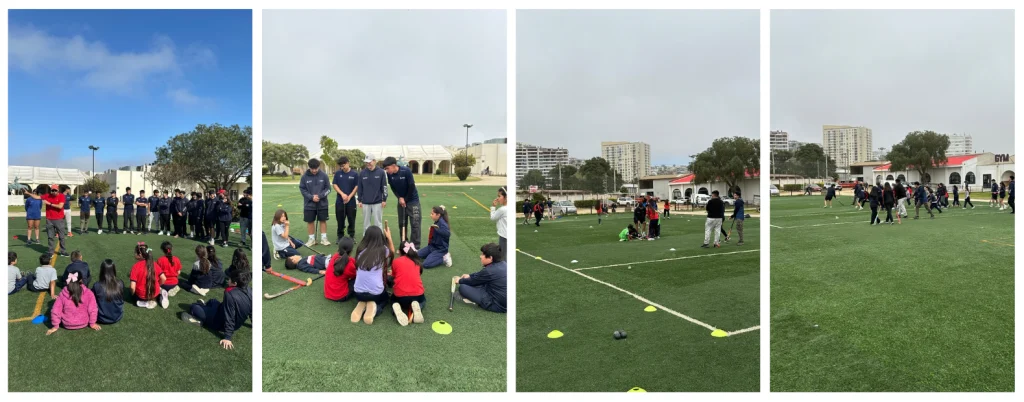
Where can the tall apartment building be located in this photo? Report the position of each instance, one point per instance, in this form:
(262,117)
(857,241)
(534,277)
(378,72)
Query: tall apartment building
(779,141)
(960,144)
(529,157)
(630,159)
(847,144)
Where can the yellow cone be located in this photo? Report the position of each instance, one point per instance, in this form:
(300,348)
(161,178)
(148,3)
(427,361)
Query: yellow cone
(442,327)
(650,309)
(719,333)
(555,334)
(636,389)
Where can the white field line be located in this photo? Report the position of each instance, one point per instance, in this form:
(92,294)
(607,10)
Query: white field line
(667,259)
(776,226)
(754,328)
(937,216)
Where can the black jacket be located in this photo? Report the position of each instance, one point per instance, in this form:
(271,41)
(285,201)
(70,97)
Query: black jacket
(77,266)
(875,196)
(716,208)
(901,192)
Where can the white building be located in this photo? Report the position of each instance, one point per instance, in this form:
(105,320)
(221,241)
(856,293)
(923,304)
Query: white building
(978,170)
(135,177)
(33,176)
(779,141)
(532,157)
(422,159)
(490,156)
(685,186)
(960,144)
(847,144)
(658,185)
(795,145)
(632,160)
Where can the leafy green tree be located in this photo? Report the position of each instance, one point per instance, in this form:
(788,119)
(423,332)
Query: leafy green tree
(330,152)
(96,185)
(355,157)
(213,156)
(810,161)
(727,160)
(919,150)
(569,181)
(533,177)
(463,160)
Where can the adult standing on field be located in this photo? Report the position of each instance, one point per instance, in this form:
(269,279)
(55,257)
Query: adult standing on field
(900,193)
(100,204)
(67,211)
(128,216)
(404,186)
(716,214)
(1012,209)
(738,214)
(373,193)
(346,183)
(84,206)
(55,229)
(315,186)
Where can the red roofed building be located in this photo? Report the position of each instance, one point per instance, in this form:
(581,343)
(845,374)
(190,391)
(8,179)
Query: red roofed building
(686,186)
(976,170)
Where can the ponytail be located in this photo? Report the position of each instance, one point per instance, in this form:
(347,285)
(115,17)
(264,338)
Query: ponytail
(204,262)
(344,251)
(440,210)
(75,289)
(143,251)
(168,249)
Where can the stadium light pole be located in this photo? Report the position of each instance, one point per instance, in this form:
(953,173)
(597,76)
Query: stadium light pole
(94,149)
(467,126)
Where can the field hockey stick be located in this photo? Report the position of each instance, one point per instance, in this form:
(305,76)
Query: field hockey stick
(731,225)
(312,249)
(281,293)
(306,282)
(451,302)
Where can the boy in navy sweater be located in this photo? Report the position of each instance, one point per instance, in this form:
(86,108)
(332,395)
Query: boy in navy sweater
(154,206)
(210,216)
(100,205)
(84,205)
(404,186)
(346,183)
(141,210)
(486,288)
(129,211)
(112,212)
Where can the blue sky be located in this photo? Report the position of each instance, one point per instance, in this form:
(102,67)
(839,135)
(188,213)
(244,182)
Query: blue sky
(123,80)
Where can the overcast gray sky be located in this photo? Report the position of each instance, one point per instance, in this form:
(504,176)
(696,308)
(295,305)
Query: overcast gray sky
(383,77)
(894,72)
(673,79)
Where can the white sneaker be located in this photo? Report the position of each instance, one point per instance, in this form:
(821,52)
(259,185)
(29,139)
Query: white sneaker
(99,231)
(164,302)
(417,313)
(161,233)
(151,305)
(403,320)
(448,259)
(141,303)
(199,290)
(174,291)
(323,241)
(311,241)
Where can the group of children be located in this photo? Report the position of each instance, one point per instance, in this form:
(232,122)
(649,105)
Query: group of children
(152,280)
(378,266)
(894,197)
(646,219)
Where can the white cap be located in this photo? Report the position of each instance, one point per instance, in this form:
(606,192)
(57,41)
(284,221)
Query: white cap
(369,158)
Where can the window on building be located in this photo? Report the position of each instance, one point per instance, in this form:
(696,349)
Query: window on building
(954,178)
(986,181)
(969,179)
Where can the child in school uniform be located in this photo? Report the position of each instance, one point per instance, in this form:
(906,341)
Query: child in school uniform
(341,273)
(146,279)
(314,264)
(75,308)
(486,288)
(79,266)
(15,280)
(200,280)
(170,267)
(216,268)
(408,299)
(45,277)
(285,246)
(436,252)
(109,292)
(654,230)
(227,316)
(372,258)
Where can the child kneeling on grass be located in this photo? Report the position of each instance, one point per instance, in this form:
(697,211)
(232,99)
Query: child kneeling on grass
(146,279)
(374,253)
(109,292)
(170,267)
(487,287)
(408,299)
(436,251)
(227,316)
(340,279)
(75,308)
(629,233)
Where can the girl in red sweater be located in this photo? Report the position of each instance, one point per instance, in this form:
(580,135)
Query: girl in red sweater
(170,267)
(341,272)
(146,279)
(407,296)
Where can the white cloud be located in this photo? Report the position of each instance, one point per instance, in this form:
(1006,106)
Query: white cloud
(185,97)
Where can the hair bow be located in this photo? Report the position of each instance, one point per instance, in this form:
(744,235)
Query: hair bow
(73,277)
(409,248)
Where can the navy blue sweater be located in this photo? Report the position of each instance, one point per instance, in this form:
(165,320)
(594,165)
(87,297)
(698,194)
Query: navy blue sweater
(373,186)
(235,310)
(493,279)
(403,185)
(109,311)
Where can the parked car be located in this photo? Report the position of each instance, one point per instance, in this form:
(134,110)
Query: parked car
(563,208)
(626,201)
(773,190)
(814,188)
(702,199)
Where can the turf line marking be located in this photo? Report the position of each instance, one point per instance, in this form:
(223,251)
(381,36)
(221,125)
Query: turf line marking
(35,313)
(754,328)
(477,202)
(667,259)
(775,226)
(908,219)
(997,243)
(634,295)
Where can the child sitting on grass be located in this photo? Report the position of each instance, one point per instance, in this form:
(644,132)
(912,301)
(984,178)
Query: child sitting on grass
(436,251)
(629,233)
(408,299)
(372,256)
(146,279)
(79,266)
(45,277)
(487,287)
(109,294)
(339,280)
(15,281)
(227,316)
(216,269)
(284,245)
(170,267)
(75,308)
(238,261)
(200,280)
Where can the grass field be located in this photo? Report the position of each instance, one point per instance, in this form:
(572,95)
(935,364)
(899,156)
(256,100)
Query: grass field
(609,288)
(922,306)
(310,345)
(419,178)
(148,350)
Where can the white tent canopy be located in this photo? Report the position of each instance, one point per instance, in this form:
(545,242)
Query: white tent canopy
(34,176)
(421,158)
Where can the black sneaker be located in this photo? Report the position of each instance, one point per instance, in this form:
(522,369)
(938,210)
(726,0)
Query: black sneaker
(64,254)
(705,245)
(188,318)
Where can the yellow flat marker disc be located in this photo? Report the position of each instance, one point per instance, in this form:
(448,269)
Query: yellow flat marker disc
(442,327)
(539,258)
(719,333)
(279,205)
(636,389)
(555,334)
(650,309)
(516,249)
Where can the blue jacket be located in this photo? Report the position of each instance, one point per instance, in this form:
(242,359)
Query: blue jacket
(154,204)
(211,208)
(440,235)
(99,203)
(111,311)
(493,279)
(84,203)
(67,203)
(346,182)
(737,209)
(224,211)
(314,184)
(920,194)
(81,267)
(129,202)
(142,210)
(373,186)
(235,310)
(403,185)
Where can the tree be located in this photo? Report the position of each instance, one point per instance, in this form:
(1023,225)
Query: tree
(330,152)
(569,181)
(355,157)
(810,161)
(533,177)
(295,155)
(212,156)
(95,185)
(272,155)
(919,150)
(170,175)
(782,162)
(595,173)
(463,160)
(728,160)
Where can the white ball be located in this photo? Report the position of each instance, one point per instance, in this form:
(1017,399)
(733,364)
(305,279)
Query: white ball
(837,217)
(629,267)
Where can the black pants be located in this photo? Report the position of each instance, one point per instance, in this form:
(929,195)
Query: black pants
(381,300)
(874,213)
(479,296)
(346,212)
(222,230)
(165,222)
(1010,201)
(888,212)
(537,216)
(99,220)
(956,199)
(967,201)
(208,314)
(140,219)
(128,220)
(406,302)
(503,244)
(211,228)
(112,221)
(409,217)
(179,225)
(935,207)
(655,228)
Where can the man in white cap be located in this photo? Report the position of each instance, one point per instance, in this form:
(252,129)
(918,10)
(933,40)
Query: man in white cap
(372,193)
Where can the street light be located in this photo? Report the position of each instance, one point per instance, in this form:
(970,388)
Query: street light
(94,149)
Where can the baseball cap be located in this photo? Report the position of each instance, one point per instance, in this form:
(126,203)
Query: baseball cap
(221,191)
(54,187)
(369,158)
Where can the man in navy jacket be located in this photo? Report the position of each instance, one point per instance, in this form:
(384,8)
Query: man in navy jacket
(404,186)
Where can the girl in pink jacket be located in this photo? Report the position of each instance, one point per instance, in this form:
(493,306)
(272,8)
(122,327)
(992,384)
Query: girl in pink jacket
(75,307)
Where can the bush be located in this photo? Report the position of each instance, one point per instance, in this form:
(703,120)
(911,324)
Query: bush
(266,170)
(585,204)
(463,172)
(792,187)
(438,171)
(463,160)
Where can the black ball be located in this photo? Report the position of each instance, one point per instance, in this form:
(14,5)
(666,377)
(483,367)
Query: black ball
(620,334)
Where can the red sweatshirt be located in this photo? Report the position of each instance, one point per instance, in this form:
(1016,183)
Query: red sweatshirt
(169,269)
(336,286)
(407,277)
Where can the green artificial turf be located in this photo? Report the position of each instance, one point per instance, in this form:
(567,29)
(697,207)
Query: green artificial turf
(309,344)
(148,350)
(922,306)
(662,352)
